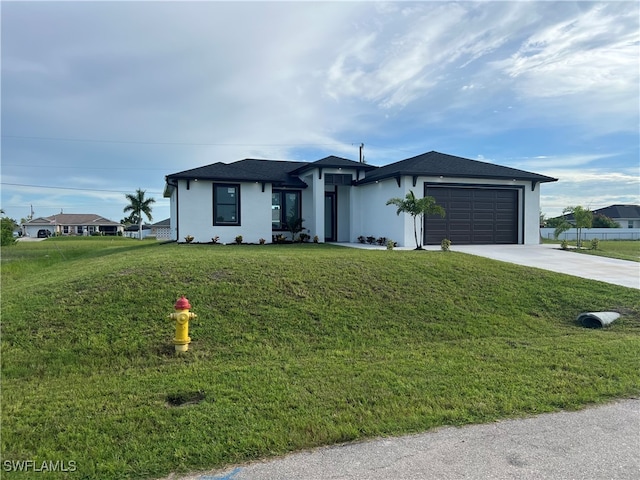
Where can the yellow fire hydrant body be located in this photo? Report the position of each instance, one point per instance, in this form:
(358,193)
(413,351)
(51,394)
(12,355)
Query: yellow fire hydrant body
(182,315)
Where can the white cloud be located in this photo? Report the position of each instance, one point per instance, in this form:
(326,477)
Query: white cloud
(561,162)
(591,188)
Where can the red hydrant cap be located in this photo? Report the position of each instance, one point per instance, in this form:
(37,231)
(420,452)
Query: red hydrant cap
(182,304)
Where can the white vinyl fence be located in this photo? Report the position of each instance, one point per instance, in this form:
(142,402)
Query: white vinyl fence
(591,233)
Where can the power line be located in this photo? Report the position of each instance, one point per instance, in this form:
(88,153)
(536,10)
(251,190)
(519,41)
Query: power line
(79,167)
(204,144)
(74,188)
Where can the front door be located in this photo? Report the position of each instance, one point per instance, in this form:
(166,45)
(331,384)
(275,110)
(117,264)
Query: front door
(330,217)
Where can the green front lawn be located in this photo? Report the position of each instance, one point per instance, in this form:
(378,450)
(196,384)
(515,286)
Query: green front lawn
(294,346)
(621,249)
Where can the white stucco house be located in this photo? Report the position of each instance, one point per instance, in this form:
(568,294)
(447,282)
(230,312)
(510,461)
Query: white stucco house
(341,199)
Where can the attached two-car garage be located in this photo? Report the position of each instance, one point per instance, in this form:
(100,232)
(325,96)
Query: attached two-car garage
(474,215)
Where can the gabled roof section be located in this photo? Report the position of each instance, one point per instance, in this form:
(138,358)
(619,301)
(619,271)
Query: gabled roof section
(333,162)
(247,170)
(440,164)
(619,211)
(72,219)
(39,221)
(163,223)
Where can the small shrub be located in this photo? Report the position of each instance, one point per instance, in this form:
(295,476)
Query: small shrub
(262,241)
(381,241)
(564,245)
(445,244)
(595,243)
(371,240)
(280,238)
(239,239)
(361,239)
(188,238)
(215,239)
(315,239)
(390,244)
(304,237)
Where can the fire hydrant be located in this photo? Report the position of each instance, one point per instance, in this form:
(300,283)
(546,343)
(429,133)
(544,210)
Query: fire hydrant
(182,315)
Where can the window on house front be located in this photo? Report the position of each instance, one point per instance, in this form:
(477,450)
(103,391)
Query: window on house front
(337,179)
(226,204)
(284,204)
(630,224)
(65,229)
(79,229)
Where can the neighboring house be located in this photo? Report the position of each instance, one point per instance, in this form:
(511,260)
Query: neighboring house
(162,229)
(340,200)
(627,216)
(72,224)
(131,231)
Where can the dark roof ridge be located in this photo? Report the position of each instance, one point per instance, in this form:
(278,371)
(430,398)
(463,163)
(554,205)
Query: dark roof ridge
(441,164)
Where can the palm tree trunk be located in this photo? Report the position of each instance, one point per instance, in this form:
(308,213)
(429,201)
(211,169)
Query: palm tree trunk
(140,227)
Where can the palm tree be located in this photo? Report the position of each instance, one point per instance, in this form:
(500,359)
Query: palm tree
(582,218)
(417,207)
(139,205)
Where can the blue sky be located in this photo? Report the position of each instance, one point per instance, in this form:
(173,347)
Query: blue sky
(102,98)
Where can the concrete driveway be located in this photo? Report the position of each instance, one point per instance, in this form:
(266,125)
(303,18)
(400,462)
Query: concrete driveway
(596,444)
(29,239)
(551,257)
(547,257)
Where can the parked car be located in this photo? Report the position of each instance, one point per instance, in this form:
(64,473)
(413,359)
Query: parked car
(44,233)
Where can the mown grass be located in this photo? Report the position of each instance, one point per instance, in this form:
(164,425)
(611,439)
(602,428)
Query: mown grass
(621,249)
(294,346)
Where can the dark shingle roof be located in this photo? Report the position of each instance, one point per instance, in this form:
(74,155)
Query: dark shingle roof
(436,164)
(247,170)
(285,173)
(163,223)
(333,162)
(619,211)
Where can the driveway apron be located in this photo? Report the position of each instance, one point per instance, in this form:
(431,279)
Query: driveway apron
(550,257)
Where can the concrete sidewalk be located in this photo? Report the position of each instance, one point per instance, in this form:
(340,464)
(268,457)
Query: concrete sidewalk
(596,444)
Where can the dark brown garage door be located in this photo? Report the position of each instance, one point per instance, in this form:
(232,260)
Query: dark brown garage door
(473,216)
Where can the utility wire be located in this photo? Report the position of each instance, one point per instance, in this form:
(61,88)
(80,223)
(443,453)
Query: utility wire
(82,167)
(87,140)
(74,188)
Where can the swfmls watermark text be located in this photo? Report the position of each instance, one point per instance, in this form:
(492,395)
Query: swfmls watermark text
(39,466)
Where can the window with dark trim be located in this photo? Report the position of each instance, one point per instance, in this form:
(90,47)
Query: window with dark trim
(226,204)
(337,179)
(284,204)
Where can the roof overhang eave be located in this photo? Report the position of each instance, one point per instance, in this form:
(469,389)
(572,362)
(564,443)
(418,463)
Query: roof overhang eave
(275,182)
(395,175)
